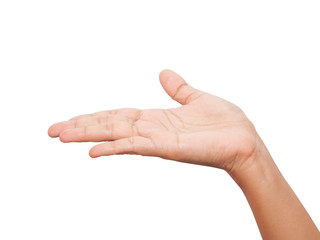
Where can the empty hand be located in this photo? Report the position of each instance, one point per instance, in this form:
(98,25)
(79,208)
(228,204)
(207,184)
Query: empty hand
(204,130)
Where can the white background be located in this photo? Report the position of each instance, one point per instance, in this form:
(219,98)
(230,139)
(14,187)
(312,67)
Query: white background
(59,59)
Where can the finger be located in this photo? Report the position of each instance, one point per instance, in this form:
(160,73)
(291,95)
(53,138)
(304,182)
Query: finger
(177,88)
(97,133)
(57,128)
(82,116)
(99,118)
(132,145)
(131,113)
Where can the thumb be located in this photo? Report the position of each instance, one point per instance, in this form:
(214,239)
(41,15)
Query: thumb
(177,88)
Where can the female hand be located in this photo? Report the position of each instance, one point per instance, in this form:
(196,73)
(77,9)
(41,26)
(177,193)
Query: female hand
(205,130)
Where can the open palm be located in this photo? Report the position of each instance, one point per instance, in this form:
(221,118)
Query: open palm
(205,130)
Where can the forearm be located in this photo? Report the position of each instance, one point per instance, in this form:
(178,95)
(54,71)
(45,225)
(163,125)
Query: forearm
(277,210)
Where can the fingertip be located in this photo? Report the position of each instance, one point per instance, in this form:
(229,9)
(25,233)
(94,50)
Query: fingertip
(56,129)
(53,131)
(49,132)
(165,73)
(92,153)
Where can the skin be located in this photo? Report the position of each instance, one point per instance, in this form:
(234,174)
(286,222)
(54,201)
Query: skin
(204,130)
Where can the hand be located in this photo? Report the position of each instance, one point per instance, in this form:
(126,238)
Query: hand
(205,130)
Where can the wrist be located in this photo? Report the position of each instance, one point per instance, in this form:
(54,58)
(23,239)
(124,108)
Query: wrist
(258,170)
(277,210)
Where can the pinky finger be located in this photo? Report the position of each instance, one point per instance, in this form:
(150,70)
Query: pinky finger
(133,145)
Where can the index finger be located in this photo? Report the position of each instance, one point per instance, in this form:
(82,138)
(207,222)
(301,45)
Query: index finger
(97,118)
